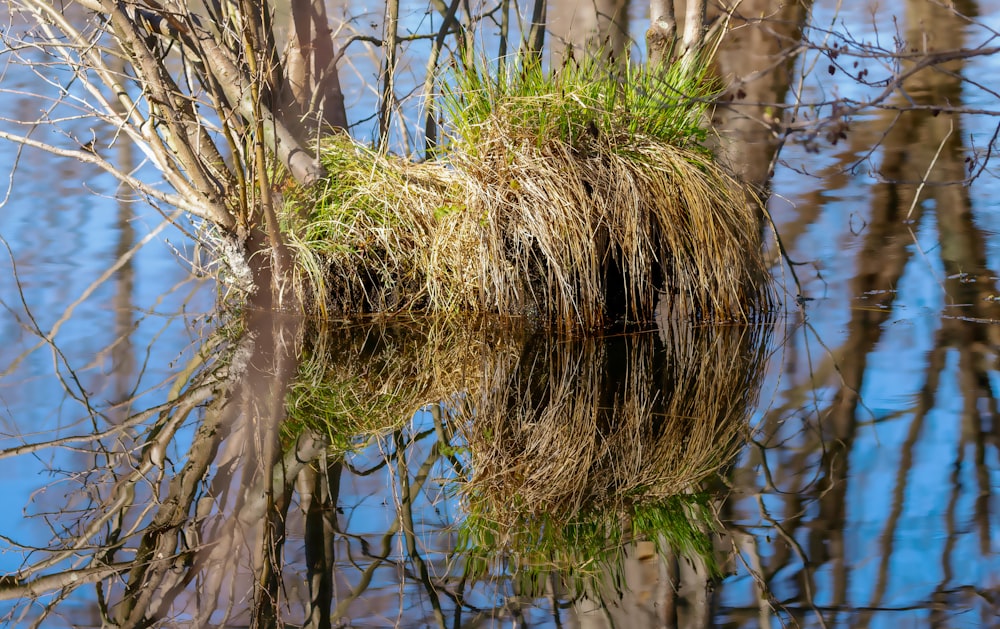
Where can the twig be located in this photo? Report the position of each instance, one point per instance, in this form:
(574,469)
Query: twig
(930,167)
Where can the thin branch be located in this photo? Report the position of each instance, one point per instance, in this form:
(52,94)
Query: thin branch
(930,167)
(12,588)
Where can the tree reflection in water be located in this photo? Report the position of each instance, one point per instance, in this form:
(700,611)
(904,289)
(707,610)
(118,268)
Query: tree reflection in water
(875,499)
(423,472)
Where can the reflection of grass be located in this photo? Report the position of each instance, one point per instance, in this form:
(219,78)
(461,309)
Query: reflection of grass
(587,440)
(573,196)
(601,422)
(566,449)
(591,542)
(359,381)
(348,410)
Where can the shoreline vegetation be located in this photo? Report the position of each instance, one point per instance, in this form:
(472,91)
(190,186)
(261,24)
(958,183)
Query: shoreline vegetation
(579,198)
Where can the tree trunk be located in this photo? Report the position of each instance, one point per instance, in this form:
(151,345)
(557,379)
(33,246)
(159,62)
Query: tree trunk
(313,81)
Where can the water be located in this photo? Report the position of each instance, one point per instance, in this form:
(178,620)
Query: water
(861,494)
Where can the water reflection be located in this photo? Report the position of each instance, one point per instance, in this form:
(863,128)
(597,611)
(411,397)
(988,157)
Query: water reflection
(868,498)
(865,496)
(534,469)
(559,457)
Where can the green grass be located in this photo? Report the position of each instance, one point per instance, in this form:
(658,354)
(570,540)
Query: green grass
(580,104)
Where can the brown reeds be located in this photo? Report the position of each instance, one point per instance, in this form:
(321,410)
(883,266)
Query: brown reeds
(589,230)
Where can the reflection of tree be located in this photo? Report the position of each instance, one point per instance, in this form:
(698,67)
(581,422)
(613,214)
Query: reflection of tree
(755,60)
(156,526)
(922,153)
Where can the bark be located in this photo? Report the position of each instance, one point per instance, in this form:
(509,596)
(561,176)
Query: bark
(182,129)
(662,31)
(277,135)
(218,66)
(532,45)
(694,26)
(430,125)
(390,42)
(589,30)
(313,81)
(13,589)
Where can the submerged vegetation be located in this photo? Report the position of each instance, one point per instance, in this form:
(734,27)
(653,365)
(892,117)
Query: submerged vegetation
(578,197)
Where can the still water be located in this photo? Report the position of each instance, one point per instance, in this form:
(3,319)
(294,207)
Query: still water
(831,466)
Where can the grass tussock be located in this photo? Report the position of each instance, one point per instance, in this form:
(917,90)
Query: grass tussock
(580,197)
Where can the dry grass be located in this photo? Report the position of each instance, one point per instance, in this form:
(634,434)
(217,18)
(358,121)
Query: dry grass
(588,231)
(582,216)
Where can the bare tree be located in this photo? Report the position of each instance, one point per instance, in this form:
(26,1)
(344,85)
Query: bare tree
(204,97)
